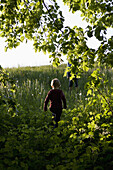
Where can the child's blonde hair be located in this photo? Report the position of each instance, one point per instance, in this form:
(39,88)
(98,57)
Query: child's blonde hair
(55,83)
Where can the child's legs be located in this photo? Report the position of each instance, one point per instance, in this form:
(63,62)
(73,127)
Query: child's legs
(70,85)
(56,118)
(76,82)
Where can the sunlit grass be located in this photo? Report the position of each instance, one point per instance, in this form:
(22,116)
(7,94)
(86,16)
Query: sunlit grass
(33,84)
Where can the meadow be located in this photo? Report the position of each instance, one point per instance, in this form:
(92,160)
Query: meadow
(33,84)
(83,139)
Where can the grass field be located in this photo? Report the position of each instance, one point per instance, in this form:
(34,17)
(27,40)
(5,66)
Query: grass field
(33,83)
(83,139)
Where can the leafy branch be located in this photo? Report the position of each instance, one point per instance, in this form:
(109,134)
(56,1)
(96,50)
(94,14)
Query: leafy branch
(51,17)
(107,101)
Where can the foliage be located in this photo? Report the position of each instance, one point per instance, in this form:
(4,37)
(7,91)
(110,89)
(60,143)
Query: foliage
(43,22)
(84,137)
(7,90)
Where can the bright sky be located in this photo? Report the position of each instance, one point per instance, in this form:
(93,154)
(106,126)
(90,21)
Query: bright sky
(24,55)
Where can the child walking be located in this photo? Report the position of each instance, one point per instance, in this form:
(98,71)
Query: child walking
(55,96)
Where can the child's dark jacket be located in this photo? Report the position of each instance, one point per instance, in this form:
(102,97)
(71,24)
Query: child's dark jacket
(56,96)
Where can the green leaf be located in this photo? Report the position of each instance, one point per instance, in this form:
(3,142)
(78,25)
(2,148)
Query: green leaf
(89,92)
(90,34)
(22,38)
(5,49)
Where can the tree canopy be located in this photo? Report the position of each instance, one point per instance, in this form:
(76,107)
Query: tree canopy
(43,22)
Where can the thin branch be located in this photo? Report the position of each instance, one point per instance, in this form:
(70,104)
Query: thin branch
(51,17)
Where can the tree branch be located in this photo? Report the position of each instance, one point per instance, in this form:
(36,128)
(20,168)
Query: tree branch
(106,101)
(51,15)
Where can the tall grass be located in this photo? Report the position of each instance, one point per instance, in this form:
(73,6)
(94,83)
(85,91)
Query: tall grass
(33,84)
